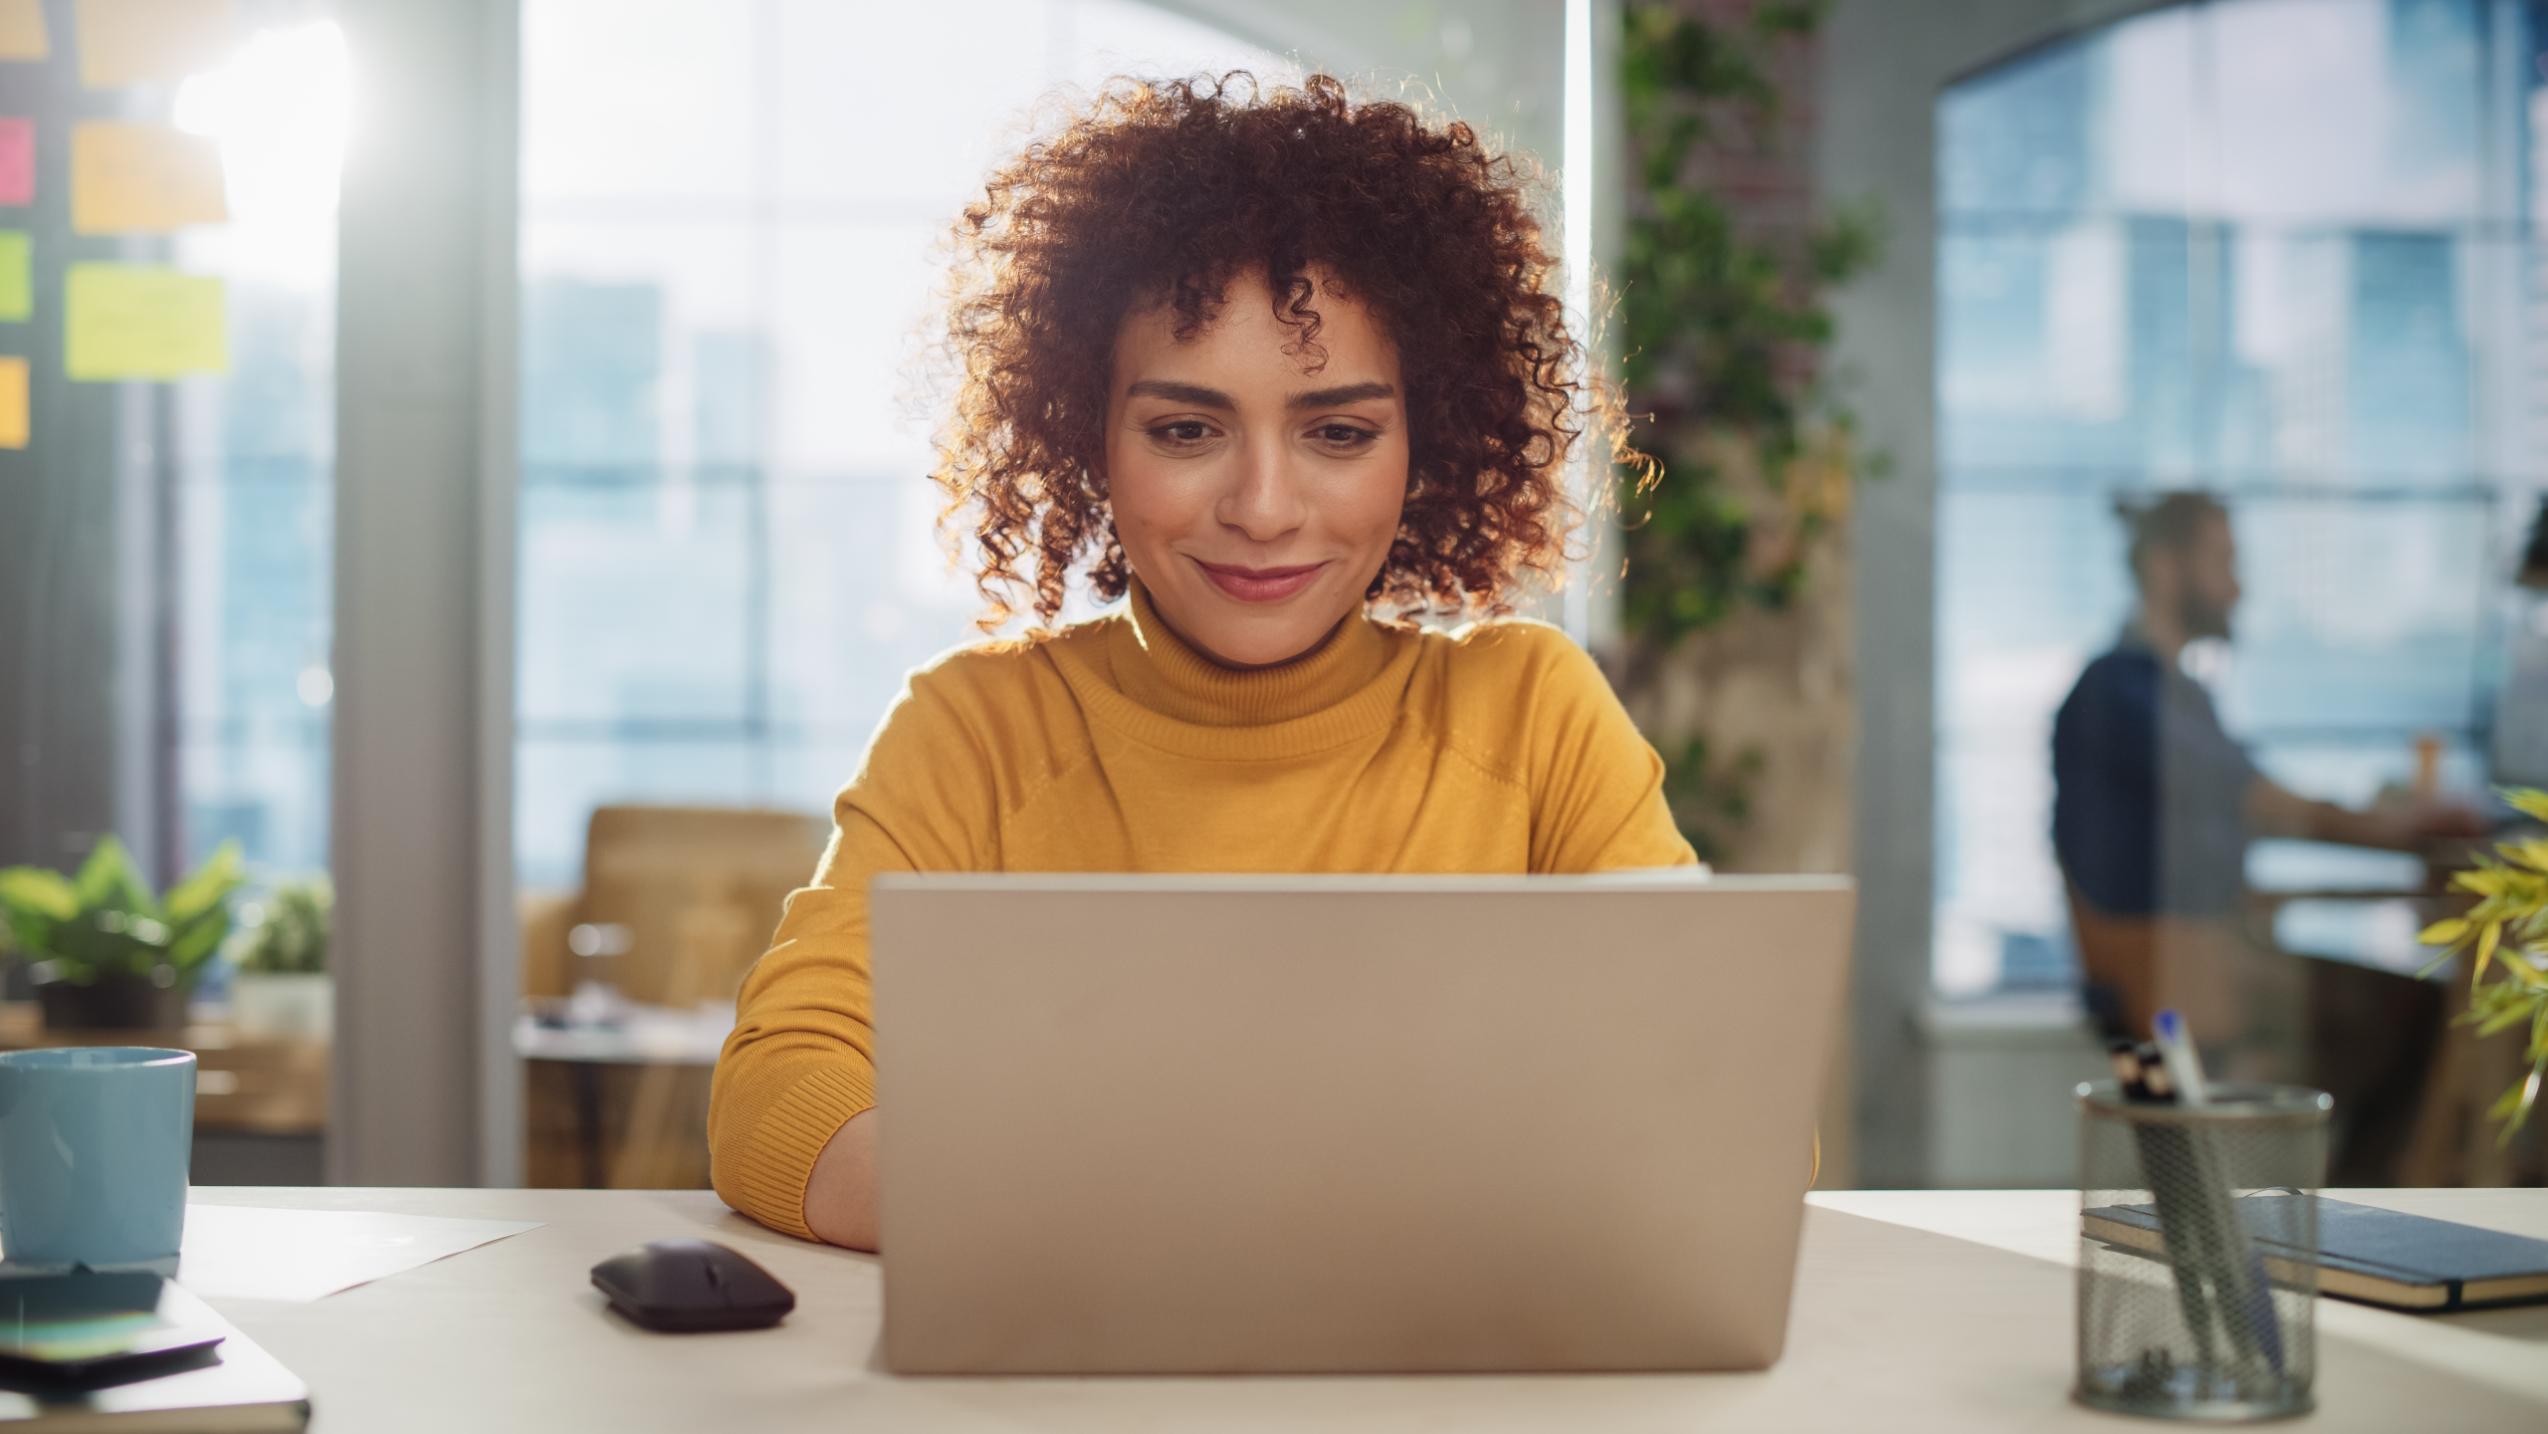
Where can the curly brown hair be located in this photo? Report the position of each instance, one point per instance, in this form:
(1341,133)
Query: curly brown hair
(1163,191)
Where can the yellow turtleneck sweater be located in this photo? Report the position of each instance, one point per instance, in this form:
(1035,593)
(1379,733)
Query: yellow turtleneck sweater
(1113,746)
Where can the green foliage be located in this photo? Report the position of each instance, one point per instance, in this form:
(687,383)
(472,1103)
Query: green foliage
(286,934)
(1722,329)
(104,921)
(2506,932)
(1710,798)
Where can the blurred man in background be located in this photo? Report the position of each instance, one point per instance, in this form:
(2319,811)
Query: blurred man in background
(2154,807)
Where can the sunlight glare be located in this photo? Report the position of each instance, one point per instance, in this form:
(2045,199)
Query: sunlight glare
(280,110)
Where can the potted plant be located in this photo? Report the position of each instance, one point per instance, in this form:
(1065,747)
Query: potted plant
(109,955)
(282,989)
(2507,930)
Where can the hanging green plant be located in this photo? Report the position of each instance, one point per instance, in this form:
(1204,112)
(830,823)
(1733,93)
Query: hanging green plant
(1723,327)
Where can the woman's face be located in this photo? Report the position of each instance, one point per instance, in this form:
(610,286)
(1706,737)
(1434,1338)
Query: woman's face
(1256,501)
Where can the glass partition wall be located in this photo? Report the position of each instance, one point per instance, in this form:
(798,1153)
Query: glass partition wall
(2285,253)
(168,205)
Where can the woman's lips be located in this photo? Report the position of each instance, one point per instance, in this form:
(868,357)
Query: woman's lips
(1259,584)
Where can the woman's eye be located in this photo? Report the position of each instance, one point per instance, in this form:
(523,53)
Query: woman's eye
(1345,435)
(1180,435)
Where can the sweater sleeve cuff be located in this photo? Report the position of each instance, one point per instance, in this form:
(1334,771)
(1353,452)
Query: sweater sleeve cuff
(775,1158)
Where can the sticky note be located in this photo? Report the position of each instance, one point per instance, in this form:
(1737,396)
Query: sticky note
(17,160)
(13,403)
(132,42)
(143,177)
(22,32)
(132,321)
(17,283)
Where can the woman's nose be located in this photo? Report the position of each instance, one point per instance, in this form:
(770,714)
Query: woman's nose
(1264,499)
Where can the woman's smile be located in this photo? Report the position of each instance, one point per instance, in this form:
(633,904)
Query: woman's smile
(1260,584)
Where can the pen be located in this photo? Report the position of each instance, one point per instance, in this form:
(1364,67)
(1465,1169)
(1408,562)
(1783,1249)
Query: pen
(2161,1150)
(2176,1050)
(2249,1293)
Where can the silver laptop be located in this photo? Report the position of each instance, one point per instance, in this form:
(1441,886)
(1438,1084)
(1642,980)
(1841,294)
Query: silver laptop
(1244,1124)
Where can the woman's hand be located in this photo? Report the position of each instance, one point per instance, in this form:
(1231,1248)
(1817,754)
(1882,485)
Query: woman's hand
(840,1196)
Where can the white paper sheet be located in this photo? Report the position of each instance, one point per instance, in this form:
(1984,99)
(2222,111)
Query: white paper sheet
(256,1253)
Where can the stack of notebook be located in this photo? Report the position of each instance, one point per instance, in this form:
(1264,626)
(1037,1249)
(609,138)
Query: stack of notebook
(231,1387)
(2378,1257)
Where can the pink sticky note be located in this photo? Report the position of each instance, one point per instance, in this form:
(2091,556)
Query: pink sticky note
(17,161)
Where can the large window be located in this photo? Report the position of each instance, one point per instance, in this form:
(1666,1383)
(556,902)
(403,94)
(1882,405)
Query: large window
(2286,251)
(729,221)
(253,452)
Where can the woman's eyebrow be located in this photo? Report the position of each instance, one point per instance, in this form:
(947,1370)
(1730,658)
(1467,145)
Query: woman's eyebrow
(1343,393)
(1203,397)
(1176,392)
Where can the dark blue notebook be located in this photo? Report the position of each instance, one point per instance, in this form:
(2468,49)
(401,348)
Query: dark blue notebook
(2379,1257)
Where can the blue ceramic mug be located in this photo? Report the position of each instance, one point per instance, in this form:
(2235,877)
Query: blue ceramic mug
(93,1154)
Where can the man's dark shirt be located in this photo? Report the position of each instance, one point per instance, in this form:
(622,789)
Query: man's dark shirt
(2149,793)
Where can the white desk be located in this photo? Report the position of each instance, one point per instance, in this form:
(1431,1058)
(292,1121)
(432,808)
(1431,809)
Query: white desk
(1915,1311)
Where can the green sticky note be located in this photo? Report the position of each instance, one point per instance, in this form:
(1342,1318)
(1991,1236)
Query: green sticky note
(17,286)
(126,321)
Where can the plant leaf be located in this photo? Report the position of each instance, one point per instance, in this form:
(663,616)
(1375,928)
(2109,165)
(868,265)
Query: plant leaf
(2514,1107)
(2444,933)
(210,885)
(2487,940)
(108,881)
(33,901)
(2483,880)
(47,893)
(189,945)
(2504,1020)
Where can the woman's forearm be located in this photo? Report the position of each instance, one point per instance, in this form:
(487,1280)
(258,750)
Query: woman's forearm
(840,1196)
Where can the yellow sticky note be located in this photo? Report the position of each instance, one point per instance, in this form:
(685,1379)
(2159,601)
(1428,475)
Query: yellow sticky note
(129,321)
(13,403)
(17,288)
(132,42)
(143,177)
(22,38)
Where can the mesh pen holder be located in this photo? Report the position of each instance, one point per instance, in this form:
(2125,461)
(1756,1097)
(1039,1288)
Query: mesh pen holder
(2193,1302)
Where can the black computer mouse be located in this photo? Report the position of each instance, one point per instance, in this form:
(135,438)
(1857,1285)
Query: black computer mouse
(682,1285)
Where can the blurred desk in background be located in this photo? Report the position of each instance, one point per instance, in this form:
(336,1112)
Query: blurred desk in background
(260,1102)
(638,1036)
(618,1098)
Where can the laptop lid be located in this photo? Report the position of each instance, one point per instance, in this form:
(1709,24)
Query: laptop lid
(1286,1123)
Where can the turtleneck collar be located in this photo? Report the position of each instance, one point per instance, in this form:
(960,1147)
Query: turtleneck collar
(1156,668)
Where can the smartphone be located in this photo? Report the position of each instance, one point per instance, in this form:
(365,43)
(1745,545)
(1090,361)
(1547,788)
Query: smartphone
(85,1326)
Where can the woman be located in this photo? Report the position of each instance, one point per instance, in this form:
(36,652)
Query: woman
(1264,362)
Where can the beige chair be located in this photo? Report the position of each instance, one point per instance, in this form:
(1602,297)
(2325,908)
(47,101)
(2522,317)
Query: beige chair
(696,889)
(695,893)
